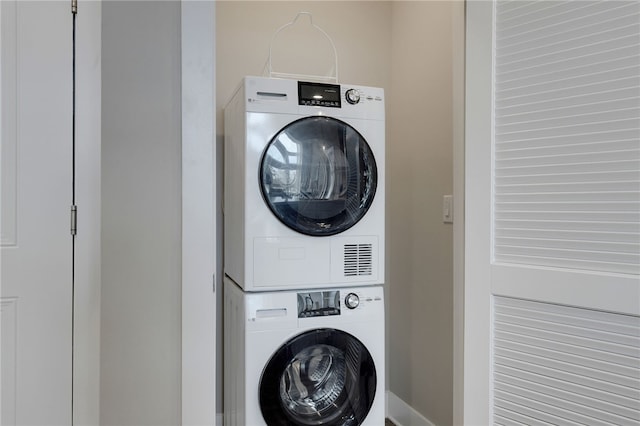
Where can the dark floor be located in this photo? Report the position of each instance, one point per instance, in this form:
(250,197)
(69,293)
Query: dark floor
(388,422)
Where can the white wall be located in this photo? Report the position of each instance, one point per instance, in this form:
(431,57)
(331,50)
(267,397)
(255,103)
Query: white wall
(141,216)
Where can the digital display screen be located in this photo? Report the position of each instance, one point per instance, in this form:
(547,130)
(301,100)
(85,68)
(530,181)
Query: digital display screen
(318,304)
(319,94)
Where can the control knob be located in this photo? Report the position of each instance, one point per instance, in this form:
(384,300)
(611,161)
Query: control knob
(352,301)
(352,96)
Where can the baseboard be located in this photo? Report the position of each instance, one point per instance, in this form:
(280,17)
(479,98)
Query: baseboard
(402,414)
(398,411)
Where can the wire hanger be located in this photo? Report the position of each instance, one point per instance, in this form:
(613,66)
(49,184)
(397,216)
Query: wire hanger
(269,66)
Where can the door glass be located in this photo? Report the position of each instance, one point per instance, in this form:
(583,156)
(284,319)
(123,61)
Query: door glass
(320,377)
(313,381)
(318,176)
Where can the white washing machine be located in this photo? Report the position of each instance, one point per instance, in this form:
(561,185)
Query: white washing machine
(304,357)
(304,185)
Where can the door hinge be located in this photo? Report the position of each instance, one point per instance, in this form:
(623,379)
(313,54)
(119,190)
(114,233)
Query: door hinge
(74,220)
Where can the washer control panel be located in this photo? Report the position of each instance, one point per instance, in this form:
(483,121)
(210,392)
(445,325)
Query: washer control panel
(328,303)
(318,303)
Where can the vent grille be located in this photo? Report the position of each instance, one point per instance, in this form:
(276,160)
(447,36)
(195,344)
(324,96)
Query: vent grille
(556,364)
(358,260)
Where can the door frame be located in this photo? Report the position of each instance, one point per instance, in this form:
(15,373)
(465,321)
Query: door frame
(478,123)
(198,213)
(458,93)
(86,364)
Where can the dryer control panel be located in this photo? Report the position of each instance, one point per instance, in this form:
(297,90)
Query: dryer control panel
(306,98)
(319,94)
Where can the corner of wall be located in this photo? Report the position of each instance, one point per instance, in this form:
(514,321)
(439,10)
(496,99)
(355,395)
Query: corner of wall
(402,414)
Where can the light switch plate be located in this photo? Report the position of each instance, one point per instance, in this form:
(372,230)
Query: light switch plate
(447,208)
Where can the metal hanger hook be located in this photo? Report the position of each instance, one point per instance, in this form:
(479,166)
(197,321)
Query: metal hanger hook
(309,14)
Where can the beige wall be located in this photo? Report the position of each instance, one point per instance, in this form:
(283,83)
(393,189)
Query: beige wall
(419,166)
(404,47)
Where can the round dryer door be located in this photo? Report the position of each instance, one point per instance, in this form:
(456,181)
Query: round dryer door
(318,176)
(320,377)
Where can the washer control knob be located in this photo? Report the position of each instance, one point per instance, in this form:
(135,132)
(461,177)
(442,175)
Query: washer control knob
(352,301)
(353,96)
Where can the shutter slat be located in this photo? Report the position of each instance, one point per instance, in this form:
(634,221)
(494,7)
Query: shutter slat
(549,70)
(571,187)
(564,169)
(570,235)
(579,47)
(556,90)
(610,137)
(545,15)
(577,264)
(574,225)
(610,116)
(567,74)
(554,22)
(559,243)
(626,197)
(621,258)
(582,395)
(606,158)
(613,176)
(597,24)
(606,216)
(512,116)
(579,100)
(579,207)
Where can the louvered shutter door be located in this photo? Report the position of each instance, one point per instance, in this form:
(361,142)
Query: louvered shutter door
(567,135)
(566,196)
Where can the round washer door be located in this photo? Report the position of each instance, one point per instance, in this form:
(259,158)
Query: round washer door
(320,377)
(318,176)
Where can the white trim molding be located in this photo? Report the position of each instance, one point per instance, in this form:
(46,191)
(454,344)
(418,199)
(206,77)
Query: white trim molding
(198,214)
(402,414)
(458,28)
(88,260)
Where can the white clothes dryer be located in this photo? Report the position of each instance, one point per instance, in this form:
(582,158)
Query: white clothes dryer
(304,357)
(304,185)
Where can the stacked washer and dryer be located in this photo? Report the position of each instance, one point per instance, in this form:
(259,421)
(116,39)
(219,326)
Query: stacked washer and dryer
(304,254)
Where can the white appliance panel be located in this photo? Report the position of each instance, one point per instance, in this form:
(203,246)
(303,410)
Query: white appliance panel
(258,324)
(261,253)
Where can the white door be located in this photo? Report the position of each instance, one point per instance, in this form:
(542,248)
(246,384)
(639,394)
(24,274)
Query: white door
(552,215)
(36,294)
